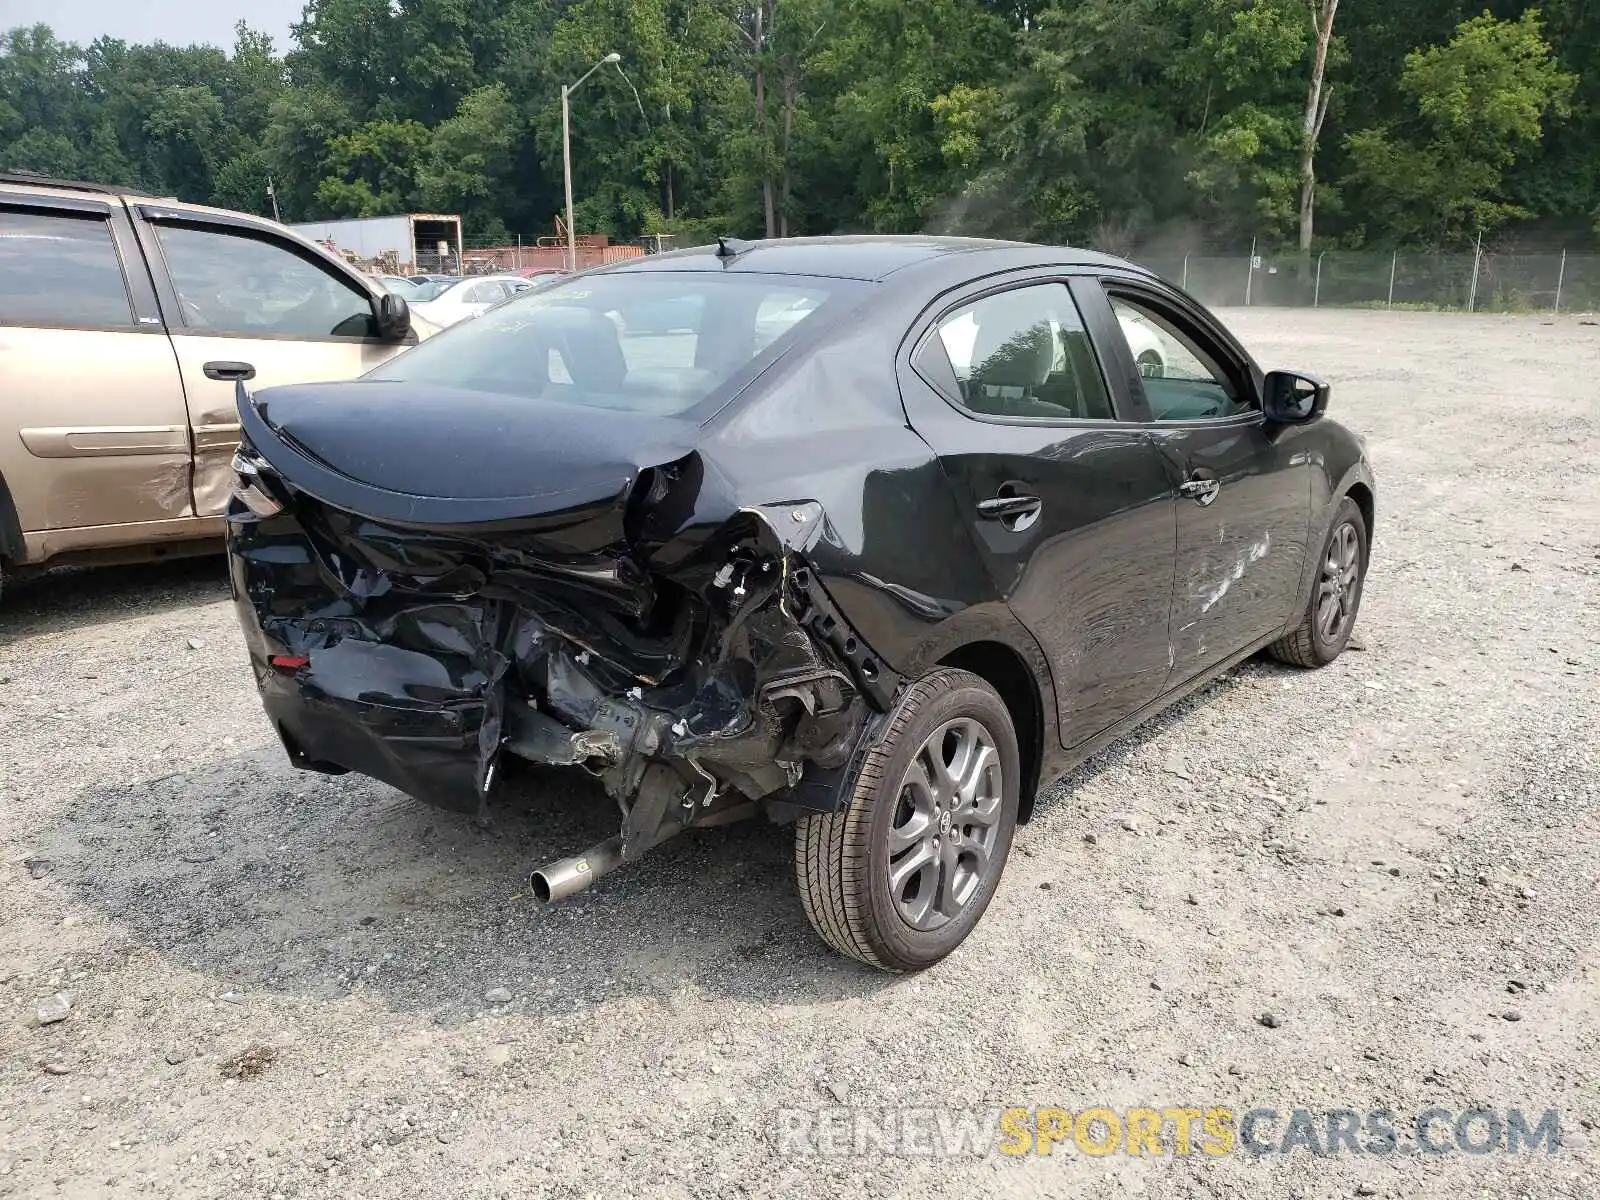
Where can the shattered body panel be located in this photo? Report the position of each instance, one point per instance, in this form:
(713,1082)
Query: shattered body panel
(640,613)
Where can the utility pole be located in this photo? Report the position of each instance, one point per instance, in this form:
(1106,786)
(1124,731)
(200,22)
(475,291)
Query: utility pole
(566,151)
(272,193)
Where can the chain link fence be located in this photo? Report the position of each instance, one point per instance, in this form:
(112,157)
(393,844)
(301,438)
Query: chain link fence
(1490,282)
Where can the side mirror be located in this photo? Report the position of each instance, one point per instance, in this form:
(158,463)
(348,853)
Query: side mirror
(1293,398)
(393,316)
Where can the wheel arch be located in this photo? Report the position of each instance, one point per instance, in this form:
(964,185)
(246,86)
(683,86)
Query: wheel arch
(1006,671)
(1362,495)
(12,547)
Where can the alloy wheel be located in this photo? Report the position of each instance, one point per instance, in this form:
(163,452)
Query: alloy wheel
(1339,587)
(946,824)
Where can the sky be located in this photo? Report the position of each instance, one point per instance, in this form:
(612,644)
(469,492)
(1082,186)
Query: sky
(180,22)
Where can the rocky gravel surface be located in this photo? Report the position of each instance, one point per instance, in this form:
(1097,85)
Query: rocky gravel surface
(1367,887)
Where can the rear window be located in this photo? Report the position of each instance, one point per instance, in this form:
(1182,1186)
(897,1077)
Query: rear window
(657,343)
(60,270)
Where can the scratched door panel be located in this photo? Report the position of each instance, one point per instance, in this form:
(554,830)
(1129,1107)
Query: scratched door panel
(102,437)
(213,407)
(1239,556)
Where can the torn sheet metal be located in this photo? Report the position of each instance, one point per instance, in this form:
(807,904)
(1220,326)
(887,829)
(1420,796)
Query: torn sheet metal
(657,625)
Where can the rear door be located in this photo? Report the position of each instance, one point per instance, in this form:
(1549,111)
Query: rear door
(1070,505)
(1244,491)
(244,301)
(93,429)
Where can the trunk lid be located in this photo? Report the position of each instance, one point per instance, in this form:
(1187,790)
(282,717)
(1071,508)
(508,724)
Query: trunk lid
(426,455)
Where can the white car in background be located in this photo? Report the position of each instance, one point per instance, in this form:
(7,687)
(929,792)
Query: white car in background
(468,297)
(1145,343)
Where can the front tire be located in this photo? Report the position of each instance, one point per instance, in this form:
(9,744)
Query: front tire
(1330,617)
(900,875)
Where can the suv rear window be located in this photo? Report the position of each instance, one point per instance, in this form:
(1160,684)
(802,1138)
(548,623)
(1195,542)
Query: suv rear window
(60,270)
(657,342)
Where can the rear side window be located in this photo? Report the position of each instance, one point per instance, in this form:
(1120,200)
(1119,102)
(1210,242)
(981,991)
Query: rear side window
(60,270)
(1022,354)
(658,342)
(254,287)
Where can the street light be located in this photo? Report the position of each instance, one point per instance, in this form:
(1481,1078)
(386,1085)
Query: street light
(566,151)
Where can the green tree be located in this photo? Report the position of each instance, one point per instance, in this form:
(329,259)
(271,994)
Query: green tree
(1118,122)
(468,156)
(1481,101)
(373,169)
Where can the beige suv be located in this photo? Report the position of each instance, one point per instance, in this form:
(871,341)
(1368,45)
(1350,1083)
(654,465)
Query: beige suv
(125,323)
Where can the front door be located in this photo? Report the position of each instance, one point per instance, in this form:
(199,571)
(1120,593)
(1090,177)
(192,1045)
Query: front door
(250,304)
(1244,492)
(1071,508)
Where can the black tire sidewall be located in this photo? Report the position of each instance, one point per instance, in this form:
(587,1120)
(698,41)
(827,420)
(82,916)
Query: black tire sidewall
(899,945)
(1349,513)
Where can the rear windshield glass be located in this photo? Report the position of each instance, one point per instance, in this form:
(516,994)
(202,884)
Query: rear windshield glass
(657,342)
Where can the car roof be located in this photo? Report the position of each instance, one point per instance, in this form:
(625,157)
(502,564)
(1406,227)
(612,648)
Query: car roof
(871,257)
(74,187)
(28,179)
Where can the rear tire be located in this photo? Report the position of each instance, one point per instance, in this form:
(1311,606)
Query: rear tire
(900,875)
(1330,616)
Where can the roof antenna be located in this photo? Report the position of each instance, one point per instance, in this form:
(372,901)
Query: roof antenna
(728,247)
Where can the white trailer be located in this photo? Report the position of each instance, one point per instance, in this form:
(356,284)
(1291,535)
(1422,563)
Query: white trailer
(422,243)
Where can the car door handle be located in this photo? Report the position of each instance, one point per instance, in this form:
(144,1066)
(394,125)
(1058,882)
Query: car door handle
(1202,490)
(1008,506)
(1016,513)
(228,372)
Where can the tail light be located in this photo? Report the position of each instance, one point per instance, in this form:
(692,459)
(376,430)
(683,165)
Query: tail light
(247,487)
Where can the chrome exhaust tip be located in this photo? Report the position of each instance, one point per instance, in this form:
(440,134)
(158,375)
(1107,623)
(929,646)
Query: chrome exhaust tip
(569,876)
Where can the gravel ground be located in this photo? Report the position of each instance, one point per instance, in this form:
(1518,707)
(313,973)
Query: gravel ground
(286,985)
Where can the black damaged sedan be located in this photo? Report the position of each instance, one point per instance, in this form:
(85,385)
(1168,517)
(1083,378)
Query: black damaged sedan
(875,536)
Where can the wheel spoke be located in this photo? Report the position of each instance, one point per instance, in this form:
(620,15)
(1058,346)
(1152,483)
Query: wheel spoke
(902,837)
(951,893)
(984,812)
(918,788)
(932,754)
(975,772)
(1328,615)
(978,854)
(922,864)
(959,765)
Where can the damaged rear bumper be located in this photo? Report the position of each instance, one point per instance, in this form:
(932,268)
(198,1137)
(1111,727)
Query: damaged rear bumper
(708,680)
(442,753)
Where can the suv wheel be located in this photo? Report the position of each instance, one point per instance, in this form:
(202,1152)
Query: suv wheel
(901,873)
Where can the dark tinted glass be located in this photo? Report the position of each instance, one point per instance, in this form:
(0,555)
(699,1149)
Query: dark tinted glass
(1024,353)
(60,270)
